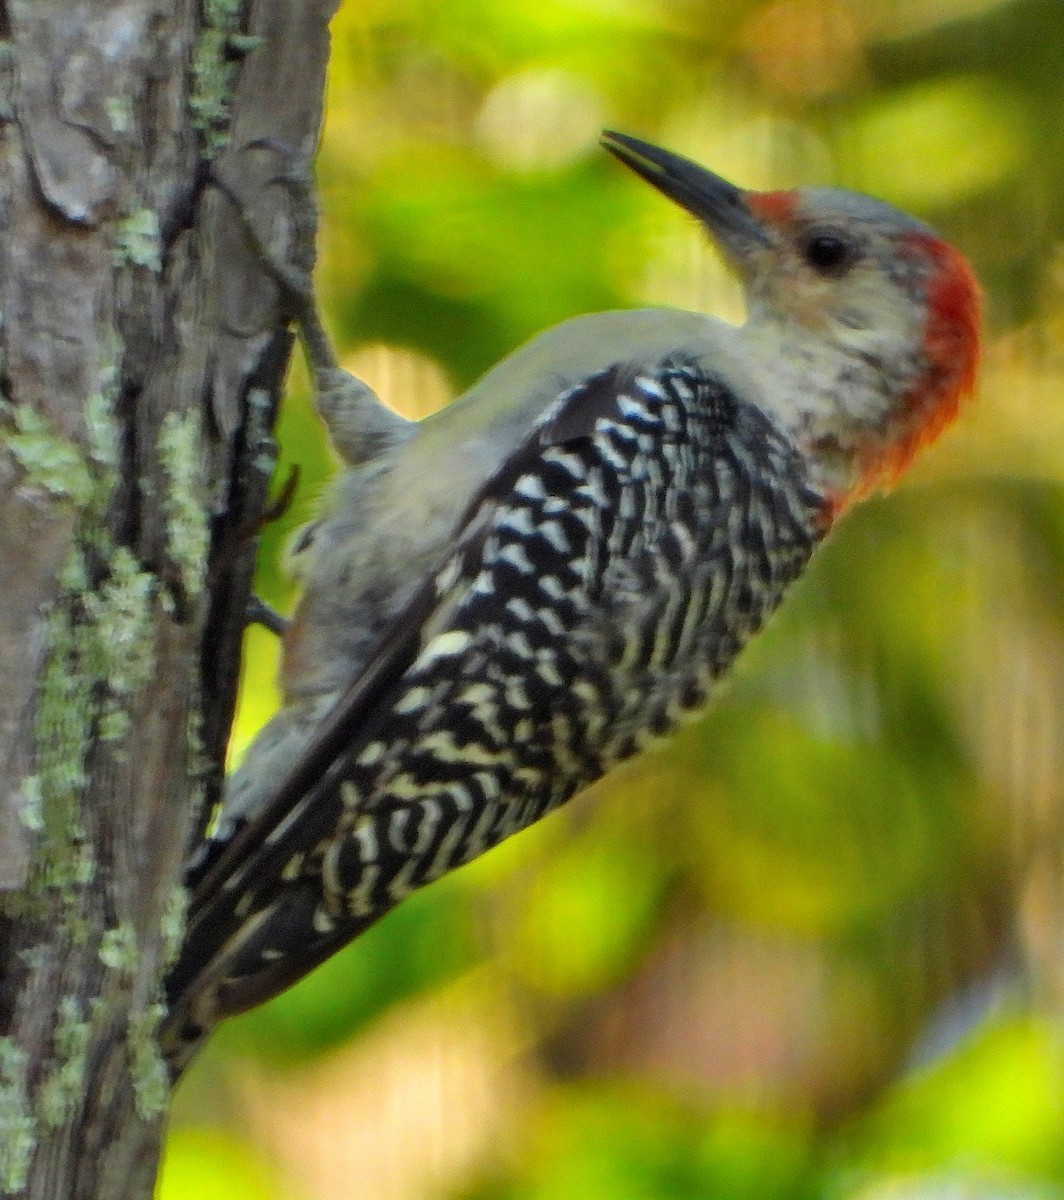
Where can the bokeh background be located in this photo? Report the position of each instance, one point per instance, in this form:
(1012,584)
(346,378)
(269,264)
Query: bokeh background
(813,947)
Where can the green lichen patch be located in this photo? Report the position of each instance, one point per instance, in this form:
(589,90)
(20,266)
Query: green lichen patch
(214,64)
(63,1085)
(187,533)
(151,1080)
(30,810)
(119,113)
(172,925)
(222,13)
(34,957)
(244,43)
(118,949)
(212,78)
(58,465)
(18,1128)
(123,626)
(64,724)
(100,650)
(138,240)
(101,425)
(74,575)
(90,637)
(51,462)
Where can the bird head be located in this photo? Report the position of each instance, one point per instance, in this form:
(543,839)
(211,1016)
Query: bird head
(879,312)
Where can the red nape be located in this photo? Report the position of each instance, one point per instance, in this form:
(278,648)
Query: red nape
(951,350)
(772,206)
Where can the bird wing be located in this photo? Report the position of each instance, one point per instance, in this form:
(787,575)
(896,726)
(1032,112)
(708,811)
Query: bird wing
(596,585)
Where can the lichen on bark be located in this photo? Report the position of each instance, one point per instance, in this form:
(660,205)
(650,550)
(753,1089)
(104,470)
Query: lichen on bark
(136,325)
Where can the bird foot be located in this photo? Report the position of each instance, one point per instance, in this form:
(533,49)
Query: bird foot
(258,612)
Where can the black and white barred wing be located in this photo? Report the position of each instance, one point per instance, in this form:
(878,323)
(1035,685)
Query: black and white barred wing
(600,581)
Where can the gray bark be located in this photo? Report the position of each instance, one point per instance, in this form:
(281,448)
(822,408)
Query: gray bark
(141,352)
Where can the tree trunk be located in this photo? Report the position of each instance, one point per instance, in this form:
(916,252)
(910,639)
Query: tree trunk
(141,352)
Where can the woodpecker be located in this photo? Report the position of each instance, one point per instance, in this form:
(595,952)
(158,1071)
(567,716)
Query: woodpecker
(503,601)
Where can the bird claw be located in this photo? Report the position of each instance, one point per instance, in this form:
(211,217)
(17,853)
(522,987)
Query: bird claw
(258,612)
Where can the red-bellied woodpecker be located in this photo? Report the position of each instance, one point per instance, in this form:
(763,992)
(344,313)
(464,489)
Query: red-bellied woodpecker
(506,599)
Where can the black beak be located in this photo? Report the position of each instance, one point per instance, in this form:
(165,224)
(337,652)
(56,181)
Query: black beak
(718,204)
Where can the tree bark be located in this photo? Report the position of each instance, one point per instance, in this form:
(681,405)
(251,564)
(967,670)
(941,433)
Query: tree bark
(141,354)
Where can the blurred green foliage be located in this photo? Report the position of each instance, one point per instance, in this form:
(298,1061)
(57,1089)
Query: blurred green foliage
(811,947)
(212,1165)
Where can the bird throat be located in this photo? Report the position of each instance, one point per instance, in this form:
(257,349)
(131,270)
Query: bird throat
(846,408)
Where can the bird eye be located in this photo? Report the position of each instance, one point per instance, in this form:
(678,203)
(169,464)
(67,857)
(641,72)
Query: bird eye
(828,254)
